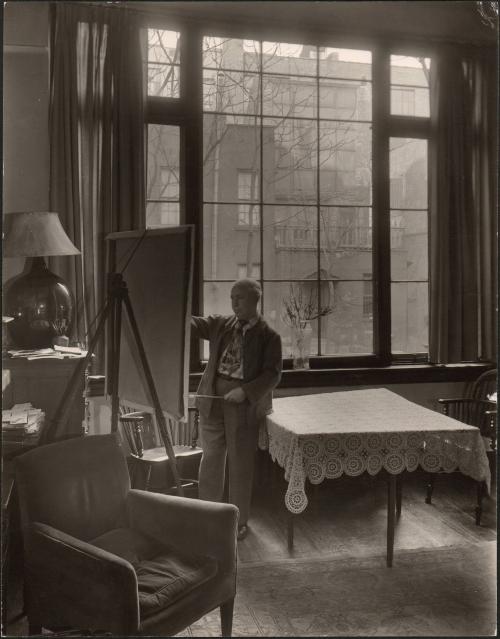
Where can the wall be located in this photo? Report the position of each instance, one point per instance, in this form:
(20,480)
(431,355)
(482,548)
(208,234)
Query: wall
(25,113)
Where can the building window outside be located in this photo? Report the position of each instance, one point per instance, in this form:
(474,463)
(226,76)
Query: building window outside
(243,271)
(367,296)
(248,191)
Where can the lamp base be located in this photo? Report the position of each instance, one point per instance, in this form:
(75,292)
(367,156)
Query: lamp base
(42,307)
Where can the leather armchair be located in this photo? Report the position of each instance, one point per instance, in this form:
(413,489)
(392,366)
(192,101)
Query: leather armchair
(102,557)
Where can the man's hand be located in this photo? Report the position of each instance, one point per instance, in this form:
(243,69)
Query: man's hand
(236,395)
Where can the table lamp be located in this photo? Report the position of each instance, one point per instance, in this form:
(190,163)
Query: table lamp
(39,301)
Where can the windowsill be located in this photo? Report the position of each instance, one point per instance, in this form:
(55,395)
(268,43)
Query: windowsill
(361,376)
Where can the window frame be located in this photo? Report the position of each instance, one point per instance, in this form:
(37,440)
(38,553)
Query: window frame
(187,113)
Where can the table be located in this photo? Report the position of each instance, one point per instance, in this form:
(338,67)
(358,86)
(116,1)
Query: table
(327,435)
(43,383)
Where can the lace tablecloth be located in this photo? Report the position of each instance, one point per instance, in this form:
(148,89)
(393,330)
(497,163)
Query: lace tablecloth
(326,435)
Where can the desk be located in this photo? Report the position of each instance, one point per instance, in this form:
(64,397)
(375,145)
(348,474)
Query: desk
(324,436)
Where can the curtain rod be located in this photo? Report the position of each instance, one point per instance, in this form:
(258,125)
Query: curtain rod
(255,25)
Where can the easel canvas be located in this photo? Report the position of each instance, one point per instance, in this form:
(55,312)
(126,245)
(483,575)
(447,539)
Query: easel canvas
(158,273)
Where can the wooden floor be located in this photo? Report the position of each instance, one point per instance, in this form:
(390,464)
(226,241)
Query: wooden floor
(348,516)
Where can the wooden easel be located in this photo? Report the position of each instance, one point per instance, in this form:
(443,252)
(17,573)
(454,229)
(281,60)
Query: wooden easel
(117,297)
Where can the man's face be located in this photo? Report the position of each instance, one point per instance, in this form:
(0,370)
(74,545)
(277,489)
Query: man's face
(243,302)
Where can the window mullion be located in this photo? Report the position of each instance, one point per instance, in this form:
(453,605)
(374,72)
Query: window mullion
(192,160)
(261,176)
(381,201)
(318,202)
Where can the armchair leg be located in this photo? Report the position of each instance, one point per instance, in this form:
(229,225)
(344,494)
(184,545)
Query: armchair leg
(226,618)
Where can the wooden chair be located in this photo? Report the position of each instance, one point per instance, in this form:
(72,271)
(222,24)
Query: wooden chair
(148,462)
(475,409)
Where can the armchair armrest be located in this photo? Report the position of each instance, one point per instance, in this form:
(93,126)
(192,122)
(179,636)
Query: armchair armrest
(191,525)
(96,588)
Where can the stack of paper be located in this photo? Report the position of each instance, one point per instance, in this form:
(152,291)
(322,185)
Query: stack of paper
(58,352)
(21,424)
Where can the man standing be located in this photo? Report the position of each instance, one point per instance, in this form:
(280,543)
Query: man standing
(243,368)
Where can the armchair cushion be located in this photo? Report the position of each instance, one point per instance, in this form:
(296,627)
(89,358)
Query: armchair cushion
(166,578)
(163,575)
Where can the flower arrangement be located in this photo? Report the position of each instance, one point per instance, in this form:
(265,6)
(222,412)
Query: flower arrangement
(299,309)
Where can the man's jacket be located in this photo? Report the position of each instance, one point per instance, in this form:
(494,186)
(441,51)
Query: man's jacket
(262,361)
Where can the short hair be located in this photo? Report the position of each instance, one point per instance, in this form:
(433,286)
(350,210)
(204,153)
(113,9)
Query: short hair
(252,286)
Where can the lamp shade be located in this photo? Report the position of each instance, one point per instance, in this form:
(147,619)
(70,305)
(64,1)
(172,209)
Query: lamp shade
(35,234)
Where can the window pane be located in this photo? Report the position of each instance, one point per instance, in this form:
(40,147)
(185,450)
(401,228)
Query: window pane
(410,101)
(409,245)
(345,100)
(345,63)
(163,162)
(289,96)
(345,161)
(410,317)
(408,173)
(230,144)
(410,86)
(228,92)
(290,154)
(290,242)
(348,328)
(295,59)
(216,301)
(163,63)
(346,242)
(162,214)
(231,53)
(227,242)
(408,70)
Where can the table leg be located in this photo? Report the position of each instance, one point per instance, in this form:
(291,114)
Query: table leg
(399,496)
(391,517)
(290,522)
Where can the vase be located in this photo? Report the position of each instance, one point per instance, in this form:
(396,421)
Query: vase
(301,347)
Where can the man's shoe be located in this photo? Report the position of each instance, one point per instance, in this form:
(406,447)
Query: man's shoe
(242,532)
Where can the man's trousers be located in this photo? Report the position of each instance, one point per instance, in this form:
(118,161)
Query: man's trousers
(228,431)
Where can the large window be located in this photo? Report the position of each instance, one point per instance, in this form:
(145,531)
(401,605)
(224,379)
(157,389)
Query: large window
(292,171)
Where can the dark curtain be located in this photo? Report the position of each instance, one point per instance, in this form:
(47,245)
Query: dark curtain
(96,128)
(463,216)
